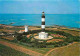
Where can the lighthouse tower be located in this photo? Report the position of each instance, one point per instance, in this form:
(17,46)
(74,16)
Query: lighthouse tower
(42,34)
(26,28)
(43,22)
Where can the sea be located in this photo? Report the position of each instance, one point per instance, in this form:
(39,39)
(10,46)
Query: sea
(67,20)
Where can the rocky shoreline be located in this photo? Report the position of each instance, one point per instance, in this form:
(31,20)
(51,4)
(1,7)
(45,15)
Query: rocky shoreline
(57,26)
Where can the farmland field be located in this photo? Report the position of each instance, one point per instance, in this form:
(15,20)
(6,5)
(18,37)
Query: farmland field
(7,51)
(72,50)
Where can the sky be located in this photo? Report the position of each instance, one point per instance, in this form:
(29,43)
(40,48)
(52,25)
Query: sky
(37,6)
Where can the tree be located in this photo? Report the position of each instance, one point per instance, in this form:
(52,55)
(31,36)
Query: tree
(19,37)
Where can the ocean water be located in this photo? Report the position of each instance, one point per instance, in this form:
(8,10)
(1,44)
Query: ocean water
(68,20)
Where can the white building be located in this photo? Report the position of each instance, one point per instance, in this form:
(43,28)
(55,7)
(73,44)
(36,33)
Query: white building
(26,28)
(43,35)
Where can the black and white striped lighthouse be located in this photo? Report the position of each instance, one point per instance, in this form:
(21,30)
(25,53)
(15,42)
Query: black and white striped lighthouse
(43,22)
(43,34)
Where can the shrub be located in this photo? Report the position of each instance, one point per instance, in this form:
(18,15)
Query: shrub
(19,37)
(76,38)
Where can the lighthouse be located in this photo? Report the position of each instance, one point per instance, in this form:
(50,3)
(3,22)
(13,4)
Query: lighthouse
(43,22)
(43,34)
(26,28)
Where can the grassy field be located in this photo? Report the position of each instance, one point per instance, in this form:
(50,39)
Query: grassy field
(72,50)
(7,51)
(40,50)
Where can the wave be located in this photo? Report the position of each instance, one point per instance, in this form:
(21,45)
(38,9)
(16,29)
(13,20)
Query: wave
(23,19)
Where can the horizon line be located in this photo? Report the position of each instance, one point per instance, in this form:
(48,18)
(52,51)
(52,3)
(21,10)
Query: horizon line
(35,13)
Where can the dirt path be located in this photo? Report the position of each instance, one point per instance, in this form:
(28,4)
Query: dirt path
(21,49)
(58,48)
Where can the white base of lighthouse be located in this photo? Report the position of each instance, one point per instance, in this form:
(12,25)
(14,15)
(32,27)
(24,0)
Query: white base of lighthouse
(43,35)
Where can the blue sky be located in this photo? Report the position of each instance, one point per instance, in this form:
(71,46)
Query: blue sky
(37,6)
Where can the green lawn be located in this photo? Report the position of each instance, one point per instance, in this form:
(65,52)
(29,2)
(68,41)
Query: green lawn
(72,50)
(7,51)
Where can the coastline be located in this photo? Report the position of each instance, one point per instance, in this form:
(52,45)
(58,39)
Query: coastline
(47,26)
